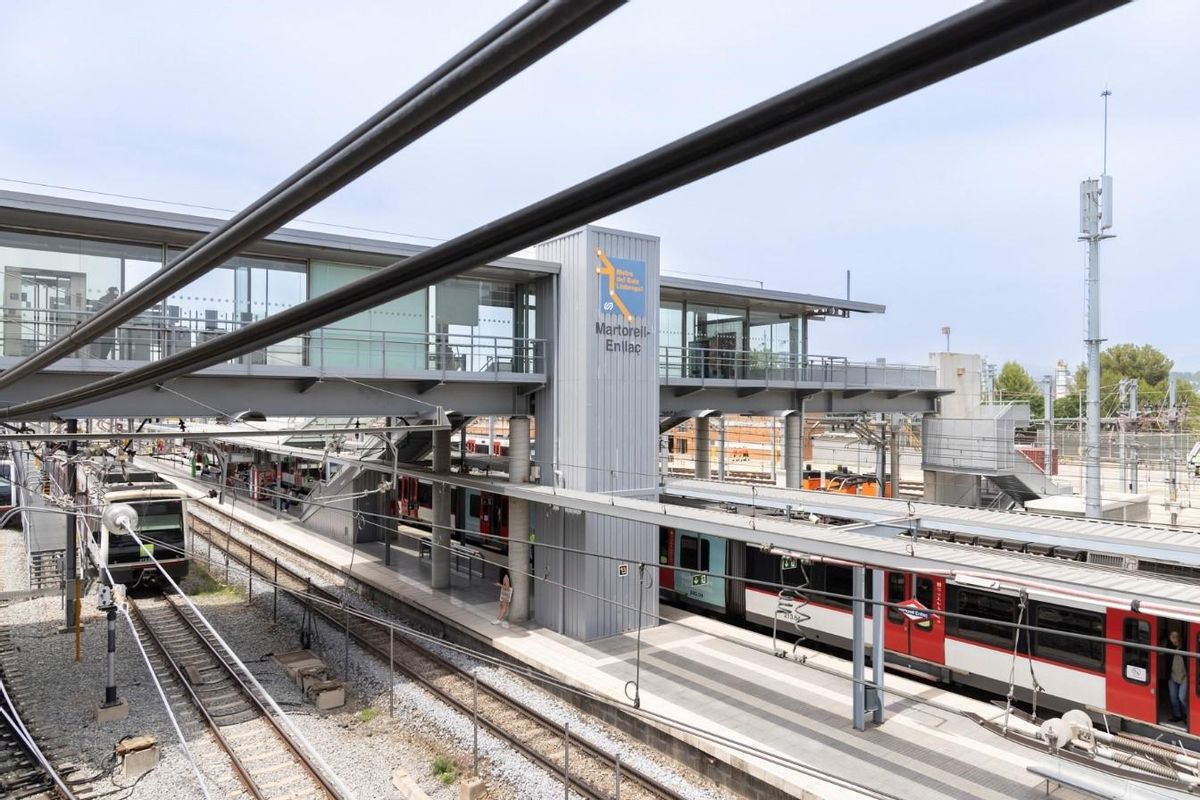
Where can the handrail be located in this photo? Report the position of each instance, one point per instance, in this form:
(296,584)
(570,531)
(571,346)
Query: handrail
(153,335)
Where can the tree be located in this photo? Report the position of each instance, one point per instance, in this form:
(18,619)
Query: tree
(1014,384)
(1146,364)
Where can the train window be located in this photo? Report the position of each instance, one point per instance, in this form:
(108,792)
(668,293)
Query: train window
(764,568)
(473,506)
(895,594)
(985,618)
(704,548)
(689,552)
(839,582)
(924,591)
(1135,662)
(425,495)
(665,535)
(1060,645)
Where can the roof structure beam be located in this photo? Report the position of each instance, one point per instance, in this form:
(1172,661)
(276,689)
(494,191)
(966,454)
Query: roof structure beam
(520,39)
(958,43)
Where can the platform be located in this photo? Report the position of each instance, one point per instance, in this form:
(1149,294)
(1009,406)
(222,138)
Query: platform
(723,680)
(44,531)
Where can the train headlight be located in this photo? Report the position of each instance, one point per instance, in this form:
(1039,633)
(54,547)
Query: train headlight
(120,518)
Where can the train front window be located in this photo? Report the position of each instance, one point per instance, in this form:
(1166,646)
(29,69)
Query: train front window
(159,516)
(6,490)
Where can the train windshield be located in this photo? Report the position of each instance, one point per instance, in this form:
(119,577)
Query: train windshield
(159,516)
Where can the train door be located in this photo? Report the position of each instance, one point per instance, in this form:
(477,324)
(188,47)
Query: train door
(1173,633)
(666,558)
(1193,693)
(1131,670)
(913,627)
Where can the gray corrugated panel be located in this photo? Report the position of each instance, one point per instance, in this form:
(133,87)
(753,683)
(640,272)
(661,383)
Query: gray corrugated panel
(1140,541)
(606,405)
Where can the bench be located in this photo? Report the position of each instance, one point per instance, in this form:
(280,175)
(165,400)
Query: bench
(458,551)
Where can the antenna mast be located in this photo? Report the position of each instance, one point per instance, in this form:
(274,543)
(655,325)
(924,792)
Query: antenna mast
(1095,219)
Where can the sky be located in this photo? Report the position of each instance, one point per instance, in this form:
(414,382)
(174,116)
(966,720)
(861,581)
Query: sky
(955,206)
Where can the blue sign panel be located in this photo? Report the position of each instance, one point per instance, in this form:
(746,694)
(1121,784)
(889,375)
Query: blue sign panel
(622,286)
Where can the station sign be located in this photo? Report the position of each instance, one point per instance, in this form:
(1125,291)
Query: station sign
(916,612)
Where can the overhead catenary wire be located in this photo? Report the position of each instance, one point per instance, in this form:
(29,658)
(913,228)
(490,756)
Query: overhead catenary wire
(187,751)
(962,41)
(284,718)
(523,37)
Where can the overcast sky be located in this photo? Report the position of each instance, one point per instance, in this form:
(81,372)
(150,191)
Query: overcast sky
(955,206)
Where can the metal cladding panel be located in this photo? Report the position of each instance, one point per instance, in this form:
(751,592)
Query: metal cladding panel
(606,403)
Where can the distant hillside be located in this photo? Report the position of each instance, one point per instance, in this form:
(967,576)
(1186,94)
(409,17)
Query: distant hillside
(1192,377)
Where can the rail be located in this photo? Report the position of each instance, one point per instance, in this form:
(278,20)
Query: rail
(685,365)
(538,737)
(27,770)
(155,335)
(207,709)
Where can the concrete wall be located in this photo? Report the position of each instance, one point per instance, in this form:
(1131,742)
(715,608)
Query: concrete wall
(962,372)
(604,413)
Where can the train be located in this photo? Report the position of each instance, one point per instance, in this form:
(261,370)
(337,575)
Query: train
(478,518)
(10,492)
(162,519)
(975,650)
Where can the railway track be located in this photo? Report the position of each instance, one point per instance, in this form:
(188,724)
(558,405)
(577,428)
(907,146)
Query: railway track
(268,764)
(590,771)
(22,775)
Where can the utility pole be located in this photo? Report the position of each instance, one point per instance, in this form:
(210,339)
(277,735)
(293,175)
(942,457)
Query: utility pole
(1122,416)
(1095,217)
(69,561)
(1173,428)
(1048,458)
(1135,420)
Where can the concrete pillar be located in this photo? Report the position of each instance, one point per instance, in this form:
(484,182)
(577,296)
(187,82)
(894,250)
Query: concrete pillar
(703,470)
(518,519)
(721,451)
(440,552)
(858,648)
(878,657)
(793,458)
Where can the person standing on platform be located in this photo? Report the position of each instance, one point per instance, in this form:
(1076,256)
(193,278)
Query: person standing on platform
(1177,683)
(103,347)
(506,594)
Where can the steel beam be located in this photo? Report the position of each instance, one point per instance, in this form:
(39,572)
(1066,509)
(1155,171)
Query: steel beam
(958,43)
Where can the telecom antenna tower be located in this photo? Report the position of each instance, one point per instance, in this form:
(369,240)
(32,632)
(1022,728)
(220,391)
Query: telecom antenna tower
(1095,218)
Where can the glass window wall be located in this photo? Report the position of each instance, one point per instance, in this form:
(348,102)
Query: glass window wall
(391,335)
(52,282)
(242,290)
(716,337)
(474,324)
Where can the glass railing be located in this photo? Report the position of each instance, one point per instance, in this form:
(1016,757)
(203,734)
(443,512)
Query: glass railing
(688,364)
(153,336)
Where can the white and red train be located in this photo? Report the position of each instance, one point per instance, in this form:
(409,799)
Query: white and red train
(975,649)
(478,518)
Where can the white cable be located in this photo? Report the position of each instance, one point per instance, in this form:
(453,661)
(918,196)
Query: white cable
(292,729)
(187,752)
(18,725)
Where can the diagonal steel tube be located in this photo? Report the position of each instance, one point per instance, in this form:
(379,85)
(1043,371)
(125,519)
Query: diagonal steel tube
(946,48)
(530,32)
